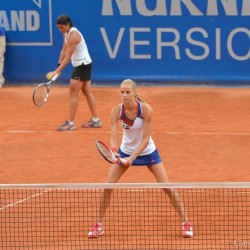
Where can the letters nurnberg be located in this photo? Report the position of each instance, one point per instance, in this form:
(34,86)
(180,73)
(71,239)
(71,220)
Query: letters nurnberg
(231,7)
(228,8)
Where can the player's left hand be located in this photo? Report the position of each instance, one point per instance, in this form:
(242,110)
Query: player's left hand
(127,161)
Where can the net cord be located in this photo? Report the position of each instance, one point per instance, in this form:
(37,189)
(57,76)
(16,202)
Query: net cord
(128,185)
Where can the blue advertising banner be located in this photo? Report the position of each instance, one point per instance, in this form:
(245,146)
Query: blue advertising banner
(27,23)
(146,40)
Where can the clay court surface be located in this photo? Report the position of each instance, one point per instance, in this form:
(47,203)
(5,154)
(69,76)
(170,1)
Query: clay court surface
(202,133)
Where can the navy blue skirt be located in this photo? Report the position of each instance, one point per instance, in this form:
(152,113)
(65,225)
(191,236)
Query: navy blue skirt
(144,160)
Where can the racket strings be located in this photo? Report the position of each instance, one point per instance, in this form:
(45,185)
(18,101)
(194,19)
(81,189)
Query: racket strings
(41,94)
(107,153)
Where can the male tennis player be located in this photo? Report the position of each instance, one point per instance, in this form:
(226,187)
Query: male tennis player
(75,49)
(138,149)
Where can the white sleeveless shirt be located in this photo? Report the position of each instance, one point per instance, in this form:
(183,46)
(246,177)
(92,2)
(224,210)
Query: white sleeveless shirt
(133,133)
(81,53)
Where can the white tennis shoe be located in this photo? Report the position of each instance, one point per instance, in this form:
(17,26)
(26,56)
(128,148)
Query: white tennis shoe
(96,230)
(187,229)
(67,126)
(92,124)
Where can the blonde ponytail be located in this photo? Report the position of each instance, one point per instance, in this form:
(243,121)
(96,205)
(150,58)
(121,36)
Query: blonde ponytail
(139,99)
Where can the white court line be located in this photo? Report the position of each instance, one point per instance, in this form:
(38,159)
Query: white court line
(53,131)
(23,200)
(95,131)
(207,133)
(189,191)
(204,191)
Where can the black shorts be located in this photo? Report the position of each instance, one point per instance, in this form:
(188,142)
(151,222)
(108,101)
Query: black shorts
(82,72)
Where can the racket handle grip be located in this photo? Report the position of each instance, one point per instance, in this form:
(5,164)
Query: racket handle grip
(54,77)
(122,161)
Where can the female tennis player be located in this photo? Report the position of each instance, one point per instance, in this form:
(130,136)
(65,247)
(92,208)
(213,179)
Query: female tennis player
(75,49)
(138,149)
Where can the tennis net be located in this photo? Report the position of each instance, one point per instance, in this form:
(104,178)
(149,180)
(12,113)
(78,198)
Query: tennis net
(139,216)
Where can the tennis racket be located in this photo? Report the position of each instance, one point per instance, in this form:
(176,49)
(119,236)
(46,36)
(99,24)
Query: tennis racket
(41,91)
(108,154)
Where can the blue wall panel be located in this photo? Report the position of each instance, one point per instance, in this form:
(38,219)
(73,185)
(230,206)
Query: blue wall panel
(147,40)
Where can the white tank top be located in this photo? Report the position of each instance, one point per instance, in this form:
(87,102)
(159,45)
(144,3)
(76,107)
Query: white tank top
(133,133)
(81,53)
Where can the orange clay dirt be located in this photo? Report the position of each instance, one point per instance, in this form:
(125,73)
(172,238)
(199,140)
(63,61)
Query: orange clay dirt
(202,134)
